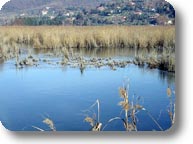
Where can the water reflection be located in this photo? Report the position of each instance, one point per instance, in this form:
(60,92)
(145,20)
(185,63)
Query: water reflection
(1,65)
(97,52)
(166,76)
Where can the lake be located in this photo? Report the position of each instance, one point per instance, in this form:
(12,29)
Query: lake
(63,93)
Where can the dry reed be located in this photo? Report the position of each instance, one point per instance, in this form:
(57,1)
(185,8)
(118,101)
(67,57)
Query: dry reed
(49,123)
(94,121)
(158,42)
(171,108)
(131,109)
(90,37)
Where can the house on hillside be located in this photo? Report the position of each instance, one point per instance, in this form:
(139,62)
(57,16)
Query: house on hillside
(44,12)
(22,15)
(132,3)
(138,12)
(101,8)
(170,22)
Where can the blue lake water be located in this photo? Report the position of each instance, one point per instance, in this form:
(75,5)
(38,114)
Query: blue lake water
(29,95)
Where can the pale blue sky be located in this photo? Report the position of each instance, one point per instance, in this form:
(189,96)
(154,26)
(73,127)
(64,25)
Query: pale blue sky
(2,2)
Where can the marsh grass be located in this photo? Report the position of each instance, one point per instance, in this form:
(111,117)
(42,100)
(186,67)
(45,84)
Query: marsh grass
(164,60)
(94,120)
(8,51)
(158,42)
(130,107)
(171,107)
(49,123)
(90,37)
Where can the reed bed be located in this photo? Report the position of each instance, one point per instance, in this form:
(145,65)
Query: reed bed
(90,36)
(157,42)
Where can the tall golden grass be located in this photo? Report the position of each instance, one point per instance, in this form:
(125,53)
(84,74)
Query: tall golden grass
(89,37)
(154,40)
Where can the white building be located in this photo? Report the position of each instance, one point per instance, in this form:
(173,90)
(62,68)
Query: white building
(44,12)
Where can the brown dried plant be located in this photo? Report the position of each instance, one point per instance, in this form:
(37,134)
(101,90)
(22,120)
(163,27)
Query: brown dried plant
(49,123)
(171,108)
(94,121)
(131,109)
(169,92)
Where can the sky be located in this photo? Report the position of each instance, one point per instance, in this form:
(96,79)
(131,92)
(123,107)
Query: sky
(2,2)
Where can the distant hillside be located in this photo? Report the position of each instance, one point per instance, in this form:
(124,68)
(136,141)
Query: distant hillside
(18,5)
(87,12)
